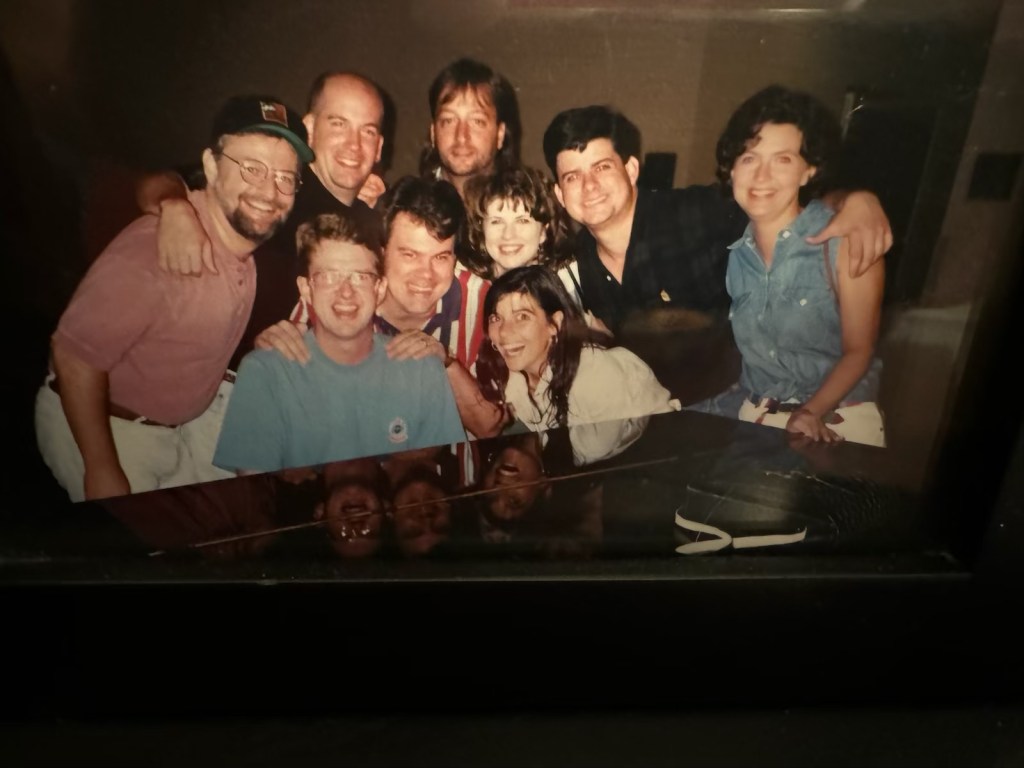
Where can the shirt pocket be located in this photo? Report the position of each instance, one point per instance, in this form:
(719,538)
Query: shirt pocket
(807,312)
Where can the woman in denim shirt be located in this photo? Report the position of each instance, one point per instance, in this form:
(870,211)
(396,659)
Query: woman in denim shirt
(805,328)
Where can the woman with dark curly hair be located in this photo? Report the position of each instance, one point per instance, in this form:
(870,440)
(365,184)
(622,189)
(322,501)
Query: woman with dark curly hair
(806,329)
(551,370)
(513,220)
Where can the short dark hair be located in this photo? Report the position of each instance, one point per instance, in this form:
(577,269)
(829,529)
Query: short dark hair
(576,128)
(530,188)
(358,225)
(433,202)
(822,136)
(494,89)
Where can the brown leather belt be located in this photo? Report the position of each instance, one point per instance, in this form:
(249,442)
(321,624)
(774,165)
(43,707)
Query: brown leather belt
(119,411)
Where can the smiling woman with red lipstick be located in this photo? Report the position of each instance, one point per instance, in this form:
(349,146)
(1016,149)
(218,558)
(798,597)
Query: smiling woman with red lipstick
(806,329)
(513,220)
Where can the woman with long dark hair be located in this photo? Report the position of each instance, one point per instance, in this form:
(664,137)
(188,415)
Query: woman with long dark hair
(551,370)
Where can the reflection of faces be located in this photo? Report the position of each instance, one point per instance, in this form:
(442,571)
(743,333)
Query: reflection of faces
(419,267)
(513,467)
(522,333)
(422,521)
(767,177)
(345,134)
(512,237)
(354,515)
(595,186)
(344,311)
(254,211)
(467,134)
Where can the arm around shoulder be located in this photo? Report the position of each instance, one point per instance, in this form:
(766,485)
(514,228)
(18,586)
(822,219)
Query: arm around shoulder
(156,188)
(861,221)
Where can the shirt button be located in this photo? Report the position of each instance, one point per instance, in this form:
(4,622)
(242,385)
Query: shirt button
(771,353)
(785,234)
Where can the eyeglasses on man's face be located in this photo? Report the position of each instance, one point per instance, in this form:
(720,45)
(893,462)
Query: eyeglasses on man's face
(330,278)
(255,173)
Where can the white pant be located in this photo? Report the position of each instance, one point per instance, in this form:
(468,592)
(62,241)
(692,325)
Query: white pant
(151,457)
(861,422)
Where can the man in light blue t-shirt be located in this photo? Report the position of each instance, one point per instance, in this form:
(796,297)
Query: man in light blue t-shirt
(350,399)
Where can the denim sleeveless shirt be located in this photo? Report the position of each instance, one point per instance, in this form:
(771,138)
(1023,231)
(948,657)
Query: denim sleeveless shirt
(786,318)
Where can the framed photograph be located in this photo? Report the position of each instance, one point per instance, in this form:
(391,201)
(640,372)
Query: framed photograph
(668,556)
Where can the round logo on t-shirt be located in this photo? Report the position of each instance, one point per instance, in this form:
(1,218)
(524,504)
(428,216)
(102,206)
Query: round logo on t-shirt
(398,430)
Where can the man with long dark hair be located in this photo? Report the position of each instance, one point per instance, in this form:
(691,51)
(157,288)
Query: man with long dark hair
(474,123)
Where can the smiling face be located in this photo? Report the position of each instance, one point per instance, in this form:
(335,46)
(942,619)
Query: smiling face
(767,177)
(516,478)
(353,515)
(596,187)
(419,269)
(344,129)
(512,236)
(254,211)
(467,134)
(522,333)
(344,290)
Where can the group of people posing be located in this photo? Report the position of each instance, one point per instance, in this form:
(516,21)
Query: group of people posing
(285,309)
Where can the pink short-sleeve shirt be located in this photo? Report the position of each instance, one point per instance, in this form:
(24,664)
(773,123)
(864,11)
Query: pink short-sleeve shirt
(164,340)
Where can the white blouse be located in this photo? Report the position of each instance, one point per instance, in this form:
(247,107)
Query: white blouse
(610,400)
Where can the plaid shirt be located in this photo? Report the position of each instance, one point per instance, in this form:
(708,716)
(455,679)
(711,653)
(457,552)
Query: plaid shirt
(677,255)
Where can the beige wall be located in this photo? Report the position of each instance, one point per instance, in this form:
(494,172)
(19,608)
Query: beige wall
(138,81)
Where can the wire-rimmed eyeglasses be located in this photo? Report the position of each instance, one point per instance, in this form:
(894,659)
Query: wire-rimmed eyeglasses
(255,172)
(329,278)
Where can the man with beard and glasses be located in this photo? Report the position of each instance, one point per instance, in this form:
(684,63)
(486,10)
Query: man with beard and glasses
(138,355)
(344,120)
